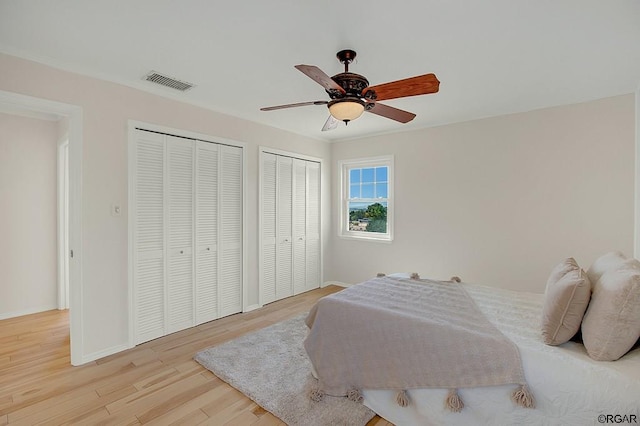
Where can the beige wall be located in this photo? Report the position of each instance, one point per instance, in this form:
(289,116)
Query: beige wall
(107,107)
(28,217)
(500,201)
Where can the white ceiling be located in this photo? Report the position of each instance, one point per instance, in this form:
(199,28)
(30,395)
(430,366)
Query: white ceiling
(492,57)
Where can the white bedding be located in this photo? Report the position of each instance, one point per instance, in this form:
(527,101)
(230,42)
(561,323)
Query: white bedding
(569,387)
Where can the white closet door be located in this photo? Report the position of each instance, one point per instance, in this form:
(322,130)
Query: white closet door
(284,251)
(290,226)
(231,190)
(180,313)
(206,283)
(268,265)
(299,225)
(148,237)
(313,226)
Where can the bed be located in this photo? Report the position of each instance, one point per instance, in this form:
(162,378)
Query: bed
(569,387)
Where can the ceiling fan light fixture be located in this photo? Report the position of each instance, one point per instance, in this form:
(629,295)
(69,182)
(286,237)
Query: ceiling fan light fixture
(346,109)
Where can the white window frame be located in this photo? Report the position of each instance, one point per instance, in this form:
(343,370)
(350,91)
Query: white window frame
(345,166)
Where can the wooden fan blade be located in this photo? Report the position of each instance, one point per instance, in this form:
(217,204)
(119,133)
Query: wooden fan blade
(392,113)
(299,104)
(420,85)
(330,124)
(317,75)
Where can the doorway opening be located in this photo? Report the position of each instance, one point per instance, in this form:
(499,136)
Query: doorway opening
(69,206)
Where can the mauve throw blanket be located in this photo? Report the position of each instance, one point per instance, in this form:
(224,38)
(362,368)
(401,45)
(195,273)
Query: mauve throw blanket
(405,334)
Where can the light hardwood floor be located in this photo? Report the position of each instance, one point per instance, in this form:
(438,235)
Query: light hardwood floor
(154,383)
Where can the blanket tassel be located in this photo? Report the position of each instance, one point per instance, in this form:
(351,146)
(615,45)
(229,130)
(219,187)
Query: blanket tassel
(523,397)
(316,394)
(402,398)
(354,395)
(453,402)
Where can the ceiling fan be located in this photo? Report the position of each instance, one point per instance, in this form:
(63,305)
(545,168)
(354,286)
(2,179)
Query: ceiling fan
(351,94)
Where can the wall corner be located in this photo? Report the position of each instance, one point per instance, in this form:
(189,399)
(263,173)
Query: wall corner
(636,192)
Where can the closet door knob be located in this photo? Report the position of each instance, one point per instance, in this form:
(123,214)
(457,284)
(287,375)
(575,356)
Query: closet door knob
(208,249)
(181,252)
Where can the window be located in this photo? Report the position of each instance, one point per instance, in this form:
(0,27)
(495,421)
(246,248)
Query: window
(366,207)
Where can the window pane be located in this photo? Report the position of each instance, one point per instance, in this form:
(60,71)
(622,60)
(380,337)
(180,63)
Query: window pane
(382,190)
(382,174)
(354,176)
(368,217)
(367,190)
(354,191)
(368,175)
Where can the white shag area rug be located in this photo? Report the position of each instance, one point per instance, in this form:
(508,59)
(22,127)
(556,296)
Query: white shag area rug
(271,367)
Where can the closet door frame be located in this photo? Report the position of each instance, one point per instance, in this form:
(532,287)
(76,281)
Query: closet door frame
(262,150)
(134,125)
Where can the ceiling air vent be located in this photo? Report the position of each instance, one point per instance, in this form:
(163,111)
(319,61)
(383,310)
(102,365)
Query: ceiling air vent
(167,81)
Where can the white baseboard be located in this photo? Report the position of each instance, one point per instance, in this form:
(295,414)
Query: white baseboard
(7,315)
(338,283)
(103,353)
(252,307)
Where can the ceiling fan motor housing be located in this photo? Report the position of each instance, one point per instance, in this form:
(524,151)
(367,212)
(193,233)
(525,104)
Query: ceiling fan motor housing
(353,85)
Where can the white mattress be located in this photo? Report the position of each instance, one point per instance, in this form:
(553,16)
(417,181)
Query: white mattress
(569,387)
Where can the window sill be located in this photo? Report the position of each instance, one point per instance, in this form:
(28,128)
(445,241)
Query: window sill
(385,239)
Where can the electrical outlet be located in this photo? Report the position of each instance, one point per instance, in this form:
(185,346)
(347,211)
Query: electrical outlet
(116,210)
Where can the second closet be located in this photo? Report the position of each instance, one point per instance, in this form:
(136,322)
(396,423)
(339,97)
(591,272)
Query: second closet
(289,226)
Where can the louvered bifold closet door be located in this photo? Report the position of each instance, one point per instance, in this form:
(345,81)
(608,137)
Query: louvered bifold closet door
(268,260)
(231,190)
(299,225)
(313,263)
(284,251)
(180,312)
(148,237)
(206,292)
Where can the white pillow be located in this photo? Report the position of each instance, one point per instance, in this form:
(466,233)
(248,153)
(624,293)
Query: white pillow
(611,325)
(566,298)
(604,263)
